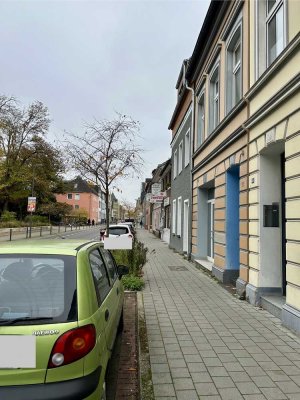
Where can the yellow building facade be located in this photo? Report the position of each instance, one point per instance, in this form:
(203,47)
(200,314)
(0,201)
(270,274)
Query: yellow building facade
(274,158)
(244,75)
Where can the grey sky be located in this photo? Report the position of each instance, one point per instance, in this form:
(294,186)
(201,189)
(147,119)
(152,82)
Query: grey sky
(88,59)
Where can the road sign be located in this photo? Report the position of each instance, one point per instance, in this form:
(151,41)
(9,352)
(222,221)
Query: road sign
(31,206)
(156,188)
(157,198)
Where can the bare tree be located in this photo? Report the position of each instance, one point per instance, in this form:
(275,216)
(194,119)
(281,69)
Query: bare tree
(129,208)
(106,152)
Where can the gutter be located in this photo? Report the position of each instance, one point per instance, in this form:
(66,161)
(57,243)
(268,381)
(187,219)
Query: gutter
(189,252)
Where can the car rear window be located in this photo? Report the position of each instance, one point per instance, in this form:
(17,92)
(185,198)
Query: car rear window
(38,286)
(118,230)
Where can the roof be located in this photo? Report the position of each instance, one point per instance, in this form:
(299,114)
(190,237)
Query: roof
(45,246)
(214,17)
(79,185)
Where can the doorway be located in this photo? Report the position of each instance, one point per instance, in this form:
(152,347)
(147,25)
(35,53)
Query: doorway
(233,218)
(272,229)
(210,229)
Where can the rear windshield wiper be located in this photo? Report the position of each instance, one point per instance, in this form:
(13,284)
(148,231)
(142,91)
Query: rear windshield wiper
(23,319)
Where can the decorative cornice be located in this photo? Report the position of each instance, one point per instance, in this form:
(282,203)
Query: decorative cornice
(232,138)
(291,87)
(270,71)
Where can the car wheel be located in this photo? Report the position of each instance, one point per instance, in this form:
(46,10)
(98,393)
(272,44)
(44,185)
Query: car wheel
(103,396)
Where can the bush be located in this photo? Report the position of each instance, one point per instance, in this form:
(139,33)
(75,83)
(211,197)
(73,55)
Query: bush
(8,216)
(132,282)
(135,259)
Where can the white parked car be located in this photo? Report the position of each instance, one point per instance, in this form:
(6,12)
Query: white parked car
(118,230)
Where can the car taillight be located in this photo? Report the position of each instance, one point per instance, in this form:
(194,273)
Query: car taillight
(72,345)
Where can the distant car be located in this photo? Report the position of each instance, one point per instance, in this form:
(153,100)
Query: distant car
(117,231)
(61,303)
(130,225)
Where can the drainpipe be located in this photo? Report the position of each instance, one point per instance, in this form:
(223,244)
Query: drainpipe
(189,253)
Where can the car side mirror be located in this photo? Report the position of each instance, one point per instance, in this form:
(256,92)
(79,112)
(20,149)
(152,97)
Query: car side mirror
(122,270)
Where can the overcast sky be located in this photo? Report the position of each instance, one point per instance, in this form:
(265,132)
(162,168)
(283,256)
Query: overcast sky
(86,59)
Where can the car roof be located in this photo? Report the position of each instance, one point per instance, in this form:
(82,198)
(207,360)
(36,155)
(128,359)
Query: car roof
(46,246)
(118,225)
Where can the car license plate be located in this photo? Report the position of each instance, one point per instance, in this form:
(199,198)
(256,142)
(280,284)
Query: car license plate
(17,351)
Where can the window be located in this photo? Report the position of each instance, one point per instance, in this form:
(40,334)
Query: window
(179,217)
(270,32)
(174,217)
(214,100)
(175,164)
(75,185)
(187,148)
(69,195)
(77,196)
(275,27)
(201,119)
(99,275)
(111,265)
(76,207)
(180,157)
(234,77)
(37,286)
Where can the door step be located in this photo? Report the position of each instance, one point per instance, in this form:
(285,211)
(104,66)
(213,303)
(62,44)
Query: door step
(273,304)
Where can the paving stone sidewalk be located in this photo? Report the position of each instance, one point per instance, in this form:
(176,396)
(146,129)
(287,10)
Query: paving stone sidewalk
(206,344)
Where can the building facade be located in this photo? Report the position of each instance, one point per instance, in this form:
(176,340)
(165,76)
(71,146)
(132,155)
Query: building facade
(274,158)
(181,181)
(239,96)
(81,195)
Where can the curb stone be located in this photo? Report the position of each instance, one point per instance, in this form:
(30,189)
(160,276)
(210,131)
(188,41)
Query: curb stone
(145,374)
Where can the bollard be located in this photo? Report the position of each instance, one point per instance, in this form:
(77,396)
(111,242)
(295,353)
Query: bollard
(50,229)
(41,231)
(10,234)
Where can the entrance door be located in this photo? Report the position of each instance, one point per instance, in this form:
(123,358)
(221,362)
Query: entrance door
(185,226)
(283,232)
(210,242)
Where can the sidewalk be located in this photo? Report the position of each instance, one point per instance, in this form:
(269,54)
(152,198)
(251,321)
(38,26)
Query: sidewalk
(206,344)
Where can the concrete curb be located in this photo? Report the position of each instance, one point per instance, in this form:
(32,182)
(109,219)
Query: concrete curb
(145,374)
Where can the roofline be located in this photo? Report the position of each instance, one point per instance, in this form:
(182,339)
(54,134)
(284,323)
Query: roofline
(212,21)
(178,108)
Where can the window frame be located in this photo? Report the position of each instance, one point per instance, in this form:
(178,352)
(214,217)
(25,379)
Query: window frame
(174,208)
(70,196)
(268,18)
(175,163)
(231,67)
(179,219)
(180,157)
(261,46)
(214,97)
(112,278)
(200,135)
(100,300)
(187,146)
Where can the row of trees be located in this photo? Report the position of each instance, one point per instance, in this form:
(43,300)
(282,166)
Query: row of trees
(105,152)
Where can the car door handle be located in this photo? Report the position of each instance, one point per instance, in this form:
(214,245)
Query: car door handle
(106,315)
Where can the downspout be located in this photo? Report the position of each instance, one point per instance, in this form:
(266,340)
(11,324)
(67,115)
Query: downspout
(190,220)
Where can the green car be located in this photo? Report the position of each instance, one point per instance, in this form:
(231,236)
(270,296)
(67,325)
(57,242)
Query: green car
(61,304)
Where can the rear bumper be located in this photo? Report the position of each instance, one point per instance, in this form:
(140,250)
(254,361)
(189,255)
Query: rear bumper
(74,389)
